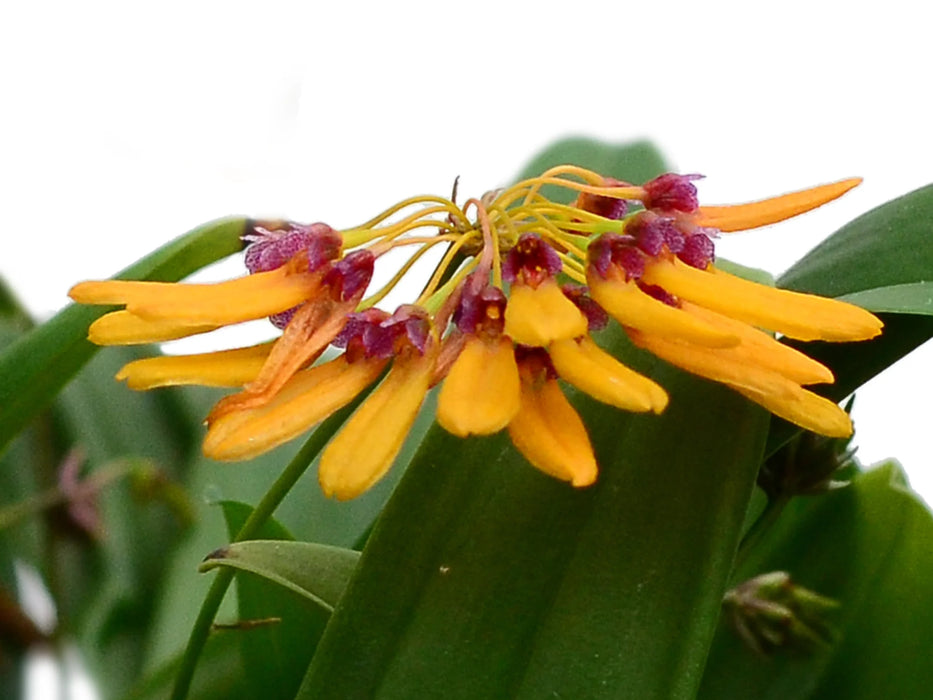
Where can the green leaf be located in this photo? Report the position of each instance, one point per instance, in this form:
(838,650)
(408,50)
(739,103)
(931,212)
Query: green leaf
(637,162)
(319,572)
(278,627)
(485,578)
(890,245)
(910,298)
(35,367)
(870,547)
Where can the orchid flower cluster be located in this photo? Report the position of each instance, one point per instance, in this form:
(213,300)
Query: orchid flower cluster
(506,317)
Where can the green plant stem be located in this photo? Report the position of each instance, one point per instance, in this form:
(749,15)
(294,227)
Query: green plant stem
(768,517)
(263,511)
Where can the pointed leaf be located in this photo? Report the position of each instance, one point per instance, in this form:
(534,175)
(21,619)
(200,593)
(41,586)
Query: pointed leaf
(278,627)
(318,572)
(910,298)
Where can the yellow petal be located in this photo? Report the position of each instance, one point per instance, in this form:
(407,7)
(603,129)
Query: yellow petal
(481,393)
(247,298)
(307,398)
(309,332)
(631,307)
(740,217)
(537,316)
(364,449)
(760,349)
(804,408)
(222,368)
(777,393)
(721,365)
(551,435)
(585,365)
(125,328)
(796,315)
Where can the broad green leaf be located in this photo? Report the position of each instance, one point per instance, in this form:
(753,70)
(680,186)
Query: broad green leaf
(484,578)
(910,298)
(870,547)
(39,364)
(319,572)
(277,627)
(889,245)
(637,162)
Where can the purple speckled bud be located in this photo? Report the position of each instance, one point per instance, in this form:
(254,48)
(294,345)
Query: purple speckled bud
(599,252)
(698,251)
(283,318)
(659,293)
(363,335)
(373,333)
(531,261)
(631,260)
(413,323)
(269,249)
(614,249)
(608,207)
(596,316)
(351,275)
(475,310)
(672,192)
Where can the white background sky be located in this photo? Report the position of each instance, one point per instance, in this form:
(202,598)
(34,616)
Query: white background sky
(124,125)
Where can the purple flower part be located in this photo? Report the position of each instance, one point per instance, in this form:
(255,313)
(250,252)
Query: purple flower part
(473,311)
(596,316)
(630,259)
(283,318)
(324,247)
(600,250)
(412,322)
(699,251)
(674,238)
(672,192)
(351,275)
(356,325)
(270,249)
(531,261)
(660,294)
(608,207)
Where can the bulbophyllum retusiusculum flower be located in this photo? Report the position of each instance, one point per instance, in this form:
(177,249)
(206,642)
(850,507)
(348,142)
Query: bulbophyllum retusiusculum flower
(506,318)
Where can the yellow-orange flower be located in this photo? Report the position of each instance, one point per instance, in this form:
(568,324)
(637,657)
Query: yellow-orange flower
(500,332)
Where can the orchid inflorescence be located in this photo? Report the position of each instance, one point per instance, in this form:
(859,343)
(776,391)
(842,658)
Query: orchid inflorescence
(509,311)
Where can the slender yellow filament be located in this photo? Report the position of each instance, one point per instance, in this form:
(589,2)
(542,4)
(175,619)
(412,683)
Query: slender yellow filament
(444,264)
(427,244)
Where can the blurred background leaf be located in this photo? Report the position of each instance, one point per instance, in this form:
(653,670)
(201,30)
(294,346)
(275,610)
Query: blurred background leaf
(870,547)
(35,367)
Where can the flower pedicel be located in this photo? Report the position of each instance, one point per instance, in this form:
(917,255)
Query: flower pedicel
(507,313)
